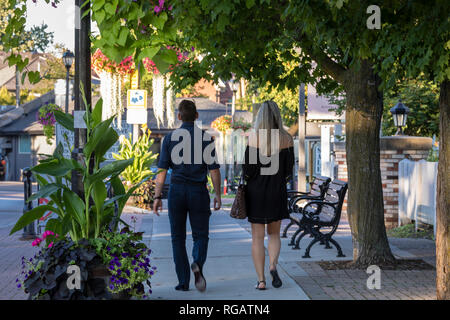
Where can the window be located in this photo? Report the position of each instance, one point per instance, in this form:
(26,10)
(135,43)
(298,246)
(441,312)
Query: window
(24,144)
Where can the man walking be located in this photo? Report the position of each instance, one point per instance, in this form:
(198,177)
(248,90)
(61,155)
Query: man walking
(190,153)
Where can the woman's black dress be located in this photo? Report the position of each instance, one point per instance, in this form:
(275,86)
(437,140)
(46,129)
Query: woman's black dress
(266,195)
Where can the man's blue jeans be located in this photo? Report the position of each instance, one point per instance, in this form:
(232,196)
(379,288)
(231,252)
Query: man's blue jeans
(184,199)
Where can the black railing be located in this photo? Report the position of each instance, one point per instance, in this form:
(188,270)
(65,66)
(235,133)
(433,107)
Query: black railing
(29,231)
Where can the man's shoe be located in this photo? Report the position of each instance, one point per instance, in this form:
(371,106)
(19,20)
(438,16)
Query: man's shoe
(181,288)
(200,282)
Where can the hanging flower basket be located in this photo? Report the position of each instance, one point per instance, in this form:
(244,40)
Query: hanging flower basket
(222,123)
(46,117)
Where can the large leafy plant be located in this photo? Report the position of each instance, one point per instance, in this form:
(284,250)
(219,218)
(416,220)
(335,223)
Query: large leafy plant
(87,214)
(143,158)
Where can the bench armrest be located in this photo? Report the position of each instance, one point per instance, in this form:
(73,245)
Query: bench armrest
(320,203)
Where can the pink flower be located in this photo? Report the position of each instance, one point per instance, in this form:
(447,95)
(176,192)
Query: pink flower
(47,233)
(170,8)
(50,244)
(158,9)
(36,242)
(161,3)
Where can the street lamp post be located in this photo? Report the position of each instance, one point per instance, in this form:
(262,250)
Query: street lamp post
(400,114)
(233,101)
(67,58)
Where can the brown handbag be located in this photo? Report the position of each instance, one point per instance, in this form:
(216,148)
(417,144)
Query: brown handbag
(238,209)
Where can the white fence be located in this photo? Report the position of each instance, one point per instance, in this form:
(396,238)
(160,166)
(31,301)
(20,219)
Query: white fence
(417,192)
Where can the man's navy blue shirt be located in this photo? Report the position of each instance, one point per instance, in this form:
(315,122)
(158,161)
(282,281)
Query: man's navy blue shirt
(193,167)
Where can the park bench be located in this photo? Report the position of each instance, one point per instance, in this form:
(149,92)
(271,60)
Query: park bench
(317,191)
(320,218)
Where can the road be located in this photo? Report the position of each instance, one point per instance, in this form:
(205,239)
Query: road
(11,202)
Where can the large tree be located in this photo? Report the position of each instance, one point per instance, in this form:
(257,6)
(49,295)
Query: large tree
(254,40)
(417,47)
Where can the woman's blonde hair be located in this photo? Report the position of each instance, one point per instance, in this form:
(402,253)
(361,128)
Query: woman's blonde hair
(269,118)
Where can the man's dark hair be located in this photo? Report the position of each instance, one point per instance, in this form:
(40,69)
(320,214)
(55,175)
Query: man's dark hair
(187,110)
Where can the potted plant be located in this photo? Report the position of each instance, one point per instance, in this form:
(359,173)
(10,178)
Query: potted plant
(84,225)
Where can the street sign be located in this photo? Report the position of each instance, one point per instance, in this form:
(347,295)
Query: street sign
(136,106)
(136,99)
(136,116)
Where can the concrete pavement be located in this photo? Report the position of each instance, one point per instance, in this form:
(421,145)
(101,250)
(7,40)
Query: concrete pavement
(229,270)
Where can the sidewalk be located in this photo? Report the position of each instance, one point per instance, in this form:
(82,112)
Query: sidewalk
(229,270)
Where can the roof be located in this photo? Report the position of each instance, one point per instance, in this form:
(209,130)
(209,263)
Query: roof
(208,111)
(27,122)
(8,74)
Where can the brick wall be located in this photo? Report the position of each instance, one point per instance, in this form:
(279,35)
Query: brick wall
(392,151)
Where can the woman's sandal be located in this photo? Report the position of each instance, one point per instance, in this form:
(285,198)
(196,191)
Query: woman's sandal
(258,283)
(276,281)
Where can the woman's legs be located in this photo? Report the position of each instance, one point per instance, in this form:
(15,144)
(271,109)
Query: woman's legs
(273,230)
(258,251)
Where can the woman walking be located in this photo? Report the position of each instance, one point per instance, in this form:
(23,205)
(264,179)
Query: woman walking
(269,159)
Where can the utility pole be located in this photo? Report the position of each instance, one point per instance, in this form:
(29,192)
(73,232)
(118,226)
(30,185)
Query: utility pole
(301,172)
(17,87)
(83,79)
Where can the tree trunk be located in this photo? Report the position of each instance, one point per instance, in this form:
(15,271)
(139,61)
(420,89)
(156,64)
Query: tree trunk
(443,197)
(365,196)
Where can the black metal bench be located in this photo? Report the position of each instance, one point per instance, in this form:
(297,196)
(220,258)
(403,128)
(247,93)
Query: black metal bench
(319,214)
(318,189)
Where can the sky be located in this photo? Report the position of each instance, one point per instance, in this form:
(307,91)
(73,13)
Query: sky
(60,20)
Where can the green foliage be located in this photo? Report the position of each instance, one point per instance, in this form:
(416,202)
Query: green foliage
(422,99)
(286,99)
(134,28)
(418,44)
(139,169)
(86,214)
(127,257)
(15,39)
(409,231)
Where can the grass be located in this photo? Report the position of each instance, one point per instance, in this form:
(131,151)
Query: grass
(408,231)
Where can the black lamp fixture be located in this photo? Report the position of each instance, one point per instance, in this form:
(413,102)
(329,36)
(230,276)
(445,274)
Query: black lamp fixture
(400,114)
(68,58)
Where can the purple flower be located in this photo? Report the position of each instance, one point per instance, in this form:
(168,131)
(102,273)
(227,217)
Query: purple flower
(136,269)
(111,287)
(19,285)
(158,9)
(161,3)
(170,8)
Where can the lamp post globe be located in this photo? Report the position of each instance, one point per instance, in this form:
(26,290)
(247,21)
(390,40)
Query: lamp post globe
(68,58)
(399,114)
